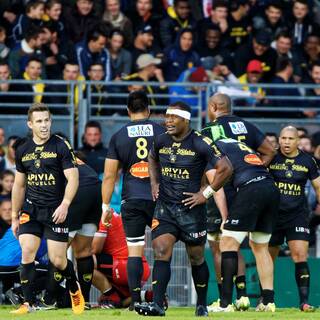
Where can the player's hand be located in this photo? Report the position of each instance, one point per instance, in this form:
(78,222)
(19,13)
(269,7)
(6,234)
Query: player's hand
(106,217)
(155,191)
(15,226)
(194,199)
(60,214)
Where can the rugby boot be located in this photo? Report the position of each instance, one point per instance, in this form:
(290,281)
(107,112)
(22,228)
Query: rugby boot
(242,304)
(149,309)
(305,307)
(77,301)
(270,307)
(15,298)
(201,311)
(23,309)
(42,305)
(217,308)
(213,305)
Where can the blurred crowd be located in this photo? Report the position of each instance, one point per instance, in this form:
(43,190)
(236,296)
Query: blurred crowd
(218,41)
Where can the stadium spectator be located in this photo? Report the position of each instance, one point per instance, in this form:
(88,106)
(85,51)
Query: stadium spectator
(258,49)
(181,19)
(305,144)
(110,277)
(271,20)
(4,50)
(143,14)
(148,70)
(283,44)
(32,72)
(217,20)
(80,19)
(144,43)
(93,50)
(33,15)
(180,56)
(272,137)
(30,46)
(118,20)
(284,73)
(239,24)
(5,217)
(121,59)
(3,146)
(301,23)
(93,148)
(10,157)
(6,183)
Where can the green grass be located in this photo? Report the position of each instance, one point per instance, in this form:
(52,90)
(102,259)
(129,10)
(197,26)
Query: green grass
(172,313)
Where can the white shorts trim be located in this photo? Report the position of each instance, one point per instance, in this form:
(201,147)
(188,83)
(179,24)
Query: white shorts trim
(260,237)
(214,236)
(87,230)
(237,235)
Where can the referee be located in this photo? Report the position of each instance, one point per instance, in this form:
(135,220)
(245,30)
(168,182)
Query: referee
(46,182)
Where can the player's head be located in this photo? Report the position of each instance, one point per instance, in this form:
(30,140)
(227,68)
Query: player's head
(39,121)
(273,139)
(219,104)
(289,141)
(5,210)
(178,117)
(138,102)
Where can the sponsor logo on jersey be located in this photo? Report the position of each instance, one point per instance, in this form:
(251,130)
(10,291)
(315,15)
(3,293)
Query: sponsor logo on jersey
(176,173)
(155,223)
(24,218)
(41,179)
(140,170)
(140,130)
(303,230)
(238,127)
(253,159)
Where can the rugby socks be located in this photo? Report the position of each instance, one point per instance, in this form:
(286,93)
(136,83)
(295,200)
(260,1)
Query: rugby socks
(229,269)
(85,268)
(303,280)
(27,278)
(71,277)
(54,279)
(219,289)
(160,278)
(200,275)
(267,296)
(135,271)
(241,287)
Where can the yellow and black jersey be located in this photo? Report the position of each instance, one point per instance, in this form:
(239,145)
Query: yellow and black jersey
(43,166)
(182,164)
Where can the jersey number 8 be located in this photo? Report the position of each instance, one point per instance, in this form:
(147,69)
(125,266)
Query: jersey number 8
(142,151)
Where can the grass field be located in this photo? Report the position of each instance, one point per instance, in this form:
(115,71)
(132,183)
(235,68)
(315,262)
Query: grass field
(172,313)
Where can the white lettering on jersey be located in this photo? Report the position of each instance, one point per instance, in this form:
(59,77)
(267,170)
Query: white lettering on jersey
(238,127)
(140,130)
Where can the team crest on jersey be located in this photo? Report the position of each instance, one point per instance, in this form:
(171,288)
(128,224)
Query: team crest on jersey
(140,170)
(87,277)
(37,163)
(238,127)
(173,158)
(140,130)
(289,174)
(57,276)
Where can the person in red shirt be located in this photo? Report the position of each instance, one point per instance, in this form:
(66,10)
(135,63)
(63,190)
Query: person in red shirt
(110,251)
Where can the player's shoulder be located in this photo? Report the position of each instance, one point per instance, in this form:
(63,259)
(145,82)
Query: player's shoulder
(60,141)
(306,157)
(198,137)
(23,144)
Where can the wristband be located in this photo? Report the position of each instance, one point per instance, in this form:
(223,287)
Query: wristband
(208,192)
(105,207)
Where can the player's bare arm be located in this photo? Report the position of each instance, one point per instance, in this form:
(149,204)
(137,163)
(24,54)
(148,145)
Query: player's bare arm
(267,152)
(154,176)
(111,167)
(18,194)
(72,176)
(98,242)
(316,186)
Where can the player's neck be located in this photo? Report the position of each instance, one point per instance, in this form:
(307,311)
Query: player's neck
(182,135)
(139,116)
(39,141)
(222,114)
(292,154)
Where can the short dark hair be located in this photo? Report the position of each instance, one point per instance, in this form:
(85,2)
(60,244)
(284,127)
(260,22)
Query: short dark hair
(33,4)
(93,124)
(175,2)
(181,105)
(32,32)
(272,134)
(303,129)
(284,34)
(37,107)
(96,64)
(282,63)
(219,3)
(137,101)
(94,34)
(274,3)
(51,3)
(33,58)
(6,172)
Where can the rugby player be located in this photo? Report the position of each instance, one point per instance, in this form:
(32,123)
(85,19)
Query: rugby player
(129,149)
(110,250)
(223,124)
(46,182)
(176,164)
(291,169)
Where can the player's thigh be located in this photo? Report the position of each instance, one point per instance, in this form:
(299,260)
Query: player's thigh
(29,246)
(214,218)
(81,245)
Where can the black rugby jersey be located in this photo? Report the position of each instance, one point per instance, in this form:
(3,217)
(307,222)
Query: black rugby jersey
(131,145)
(43,166)
(291,176)
(182,164)
(246,163)
(230,126)
(87,176)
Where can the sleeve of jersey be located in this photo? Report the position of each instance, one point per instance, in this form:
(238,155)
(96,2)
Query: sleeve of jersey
(67,156)
(154,151)
(209,151)
(19,165)
(314,169)
(259,136)
(112,150)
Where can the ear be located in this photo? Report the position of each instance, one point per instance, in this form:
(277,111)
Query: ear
(29,123)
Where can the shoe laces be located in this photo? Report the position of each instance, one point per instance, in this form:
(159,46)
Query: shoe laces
(76,299)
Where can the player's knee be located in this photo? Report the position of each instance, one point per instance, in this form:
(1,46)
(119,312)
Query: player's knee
(28,254)
(196,259)
(299,256)
(161,251)
(59,262)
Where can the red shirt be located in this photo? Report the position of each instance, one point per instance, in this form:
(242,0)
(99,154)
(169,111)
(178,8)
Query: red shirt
(115,243)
